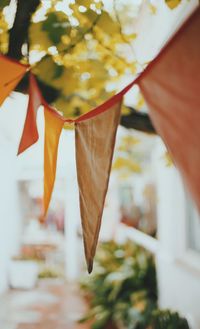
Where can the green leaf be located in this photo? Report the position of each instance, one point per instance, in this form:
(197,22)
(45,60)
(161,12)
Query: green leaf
(103,320)
(58,71)
(4,3)
(56,25)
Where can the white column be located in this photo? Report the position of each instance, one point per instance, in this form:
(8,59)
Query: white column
(73,252)
(178,283)
(10,219)
(72,220)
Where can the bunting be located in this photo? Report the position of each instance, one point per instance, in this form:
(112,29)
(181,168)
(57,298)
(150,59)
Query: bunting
(30,131)
(11,73)
(95,140)
(171,87)
(53,128)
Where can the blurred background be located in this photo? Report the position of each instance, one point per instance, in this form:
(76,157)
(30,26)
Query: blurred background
(147,267)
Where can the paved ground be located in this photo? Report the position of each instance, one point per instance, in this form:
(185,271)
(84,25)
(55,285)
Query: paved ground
(52,305)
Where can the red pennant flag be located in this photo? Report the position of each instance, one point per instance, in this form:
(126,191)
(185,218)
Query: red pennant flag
(30,132)
(53,127)
(11,72)
(171,87)
(95,140)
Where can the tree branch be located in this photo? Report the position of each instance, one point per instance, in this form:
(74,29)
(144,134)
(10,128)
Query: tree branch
(139,121)
(19,31)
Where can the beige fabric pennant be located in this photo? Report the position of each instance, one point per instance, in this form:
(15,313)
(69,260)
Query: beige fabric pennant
(171,87)
(95,140)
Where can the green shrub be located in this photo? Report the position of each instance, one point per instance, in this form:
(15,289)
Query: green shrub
(165,319)
(122,289)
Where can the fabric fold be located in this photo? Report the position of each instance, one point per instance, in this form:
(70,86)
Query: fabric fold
(30,132)
(53,128)
(11,74)
(95,140)
(171,87)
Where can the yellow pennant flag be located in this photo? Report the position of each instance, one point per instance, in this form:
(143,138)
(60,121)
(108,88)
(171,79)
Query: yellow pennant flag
(95,140)
(53,127)
(11,72)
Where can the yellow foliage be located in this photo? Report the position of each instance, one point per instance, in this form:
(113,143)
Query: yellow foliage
(83,60)
(4,38)
(85,19)
(45,70)
(69,61)
(66,40)
(85,3)
(168,159)
(127,164)
(140,101)
(67,82)
(38,39)
(107,25)
(128,142)
(153,9)
(74,57)
(172,3)
(125,110)
(72,107)
(131,37)
(84,78)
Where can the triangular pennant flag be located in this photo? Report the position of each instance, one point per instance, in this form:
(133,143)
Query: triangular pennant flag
(95,140)
(53,127)
(171,87)
(30,131)
(11,72)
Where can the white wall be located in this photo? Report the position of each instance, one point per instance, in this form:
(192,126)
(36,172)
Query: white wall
(178,278)
(11,121)
(10,220)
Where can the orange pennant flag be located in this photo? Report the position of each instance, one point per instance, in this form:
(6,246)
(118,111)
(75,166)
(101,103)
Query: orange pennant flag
(171,87)
(11,72)
(95,140)
(30,132)
(53,127)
